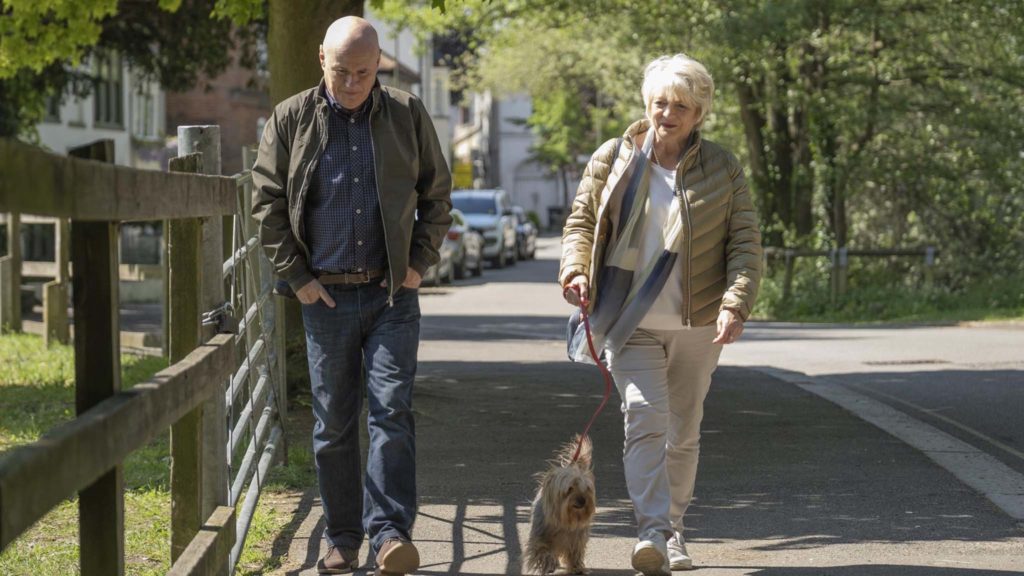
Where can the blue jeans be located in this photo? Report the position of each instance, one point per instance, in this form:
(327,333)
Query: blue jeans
(363,336)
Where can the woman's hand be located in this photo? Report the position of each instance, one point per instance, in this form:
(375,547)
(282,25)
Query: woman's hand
(572,295)
(729,327)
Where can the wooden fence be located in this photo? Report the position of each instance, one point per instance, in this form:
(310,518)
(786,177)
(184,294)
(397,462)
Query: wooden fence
(839,259)
(221,387)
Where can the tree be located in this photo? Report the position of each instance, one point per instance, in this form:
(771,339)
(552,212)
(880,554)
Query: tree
(172,41)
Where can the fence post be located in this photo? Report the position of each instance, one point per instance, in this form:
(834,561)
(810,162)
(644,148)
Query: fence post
(929,265)
(6,302)
(183,335)
(10,290)
(787,281)
(214,477)
(55,293)
(98,374)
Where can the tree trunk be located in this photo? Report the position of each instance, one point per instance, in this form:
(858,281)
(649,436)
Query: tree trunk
(753,127)
(296,30)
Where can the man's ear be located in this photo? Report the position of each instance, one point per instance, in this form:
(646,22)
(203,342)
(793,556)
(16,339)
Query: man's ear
(321,56)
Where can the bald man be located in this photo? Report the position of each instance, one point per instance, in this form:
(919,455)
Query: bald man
(352,194)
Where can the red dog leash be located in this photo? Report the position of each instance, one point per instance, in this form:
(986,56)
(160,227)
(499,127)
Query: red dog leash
(604,370)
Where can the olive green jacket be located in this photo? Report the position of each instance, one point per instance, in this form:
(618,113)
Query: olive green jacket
(413,182)
(722,255)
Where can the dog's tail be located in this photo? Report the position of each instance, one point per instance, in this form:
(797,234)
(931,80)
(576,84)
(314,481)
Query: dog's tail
(569,450)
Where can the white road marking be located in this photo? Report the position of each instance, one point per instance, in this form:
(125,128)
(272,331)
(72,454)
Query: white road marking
(1002,485)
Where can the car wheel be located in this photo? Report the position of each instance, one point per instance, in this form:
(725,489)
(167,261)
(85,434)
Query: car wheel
(460,267)
(501,259)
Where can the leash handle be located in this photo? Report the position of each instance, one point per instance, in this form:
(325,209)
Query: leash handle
(584,303)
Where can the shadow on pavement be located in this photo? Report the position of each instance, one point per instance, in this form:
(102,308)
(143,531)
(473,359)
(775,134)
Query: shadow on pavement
(873,570)
(780,469)
(777,464)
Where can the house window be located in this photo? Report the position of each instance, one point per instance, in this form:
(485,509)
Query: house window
(440,108)
(52,109)
(76,116)
(144,111)
(109,93)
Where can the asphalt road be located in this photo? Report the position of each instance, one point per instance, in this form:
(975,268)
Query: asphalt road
(798,476)
(967,381)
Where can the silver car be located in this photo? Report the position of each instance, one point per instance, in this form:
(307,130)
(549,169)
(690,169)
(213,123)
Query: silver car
(444,271)
(526,234)
(490,213)
(467,246)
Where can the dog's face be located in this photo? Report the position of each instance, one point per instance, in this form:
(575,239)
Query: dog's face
(569,495)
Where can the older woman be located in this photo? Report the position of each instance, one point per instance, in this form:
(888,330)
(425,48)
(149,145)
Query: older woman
(663,245)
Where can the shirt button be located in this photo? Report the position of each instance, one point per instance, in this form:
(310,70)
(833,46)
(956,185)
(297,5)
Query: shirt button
(355,147)
(359,210)
(360,242)
(359,269)
(356,180)
(352,120)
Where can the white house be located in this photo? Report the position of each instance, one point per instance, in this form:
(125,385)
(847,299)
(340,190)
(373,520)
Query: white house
(492,147)
(121,107)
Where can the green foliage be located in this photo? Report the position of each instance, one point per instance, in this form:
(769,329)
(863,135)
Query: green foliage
(42,45)
(862,124)
(888,290)
(37,33)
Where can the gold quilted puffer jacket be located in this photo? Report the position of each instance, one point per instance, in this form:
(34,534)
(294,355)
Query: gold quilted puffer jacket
(722,244)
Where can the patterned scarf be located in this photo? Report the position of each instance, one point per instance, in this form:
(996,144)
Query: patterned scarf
(628,287)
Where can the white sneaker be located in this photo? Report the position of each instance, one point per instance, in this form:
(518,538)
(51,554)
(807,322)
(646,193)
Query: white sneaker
(678,558)
(650,555)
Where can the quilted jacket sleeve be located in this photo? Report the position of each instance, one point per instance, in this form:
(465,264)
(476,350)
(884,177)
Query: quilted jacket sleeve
(743,249)
(578,234)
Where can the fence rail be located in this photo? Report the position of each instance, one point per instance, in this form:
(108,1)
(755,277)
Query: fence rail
(839,258)
(36,477)
(223,392)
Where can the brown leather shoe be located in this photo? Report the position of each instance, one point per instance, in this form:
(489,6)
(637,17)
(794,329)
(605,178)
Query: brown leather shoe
(338,561)
(397,558)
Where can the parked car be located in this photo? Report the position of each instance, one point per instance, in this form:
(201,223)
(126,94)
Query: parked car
(444,271)
(468,246)
(526,234)
(490,213)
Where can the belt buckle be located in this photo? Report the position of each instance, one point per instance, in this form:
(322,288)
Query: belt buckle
(362,277)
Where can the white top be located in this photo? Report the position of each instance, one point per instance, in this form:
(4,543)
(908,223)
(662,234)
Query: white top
(667,311)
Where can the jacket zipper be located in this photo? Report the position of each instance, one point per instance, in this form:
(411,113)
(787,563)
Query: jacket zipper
(384,225)
(687,281)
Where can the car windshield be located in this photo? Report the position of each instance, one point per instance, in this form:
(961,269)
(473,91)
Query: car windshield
(475,204)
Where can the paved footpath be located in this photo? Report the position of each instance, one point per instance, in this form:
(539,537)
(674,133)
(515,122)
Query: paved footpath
(789,483)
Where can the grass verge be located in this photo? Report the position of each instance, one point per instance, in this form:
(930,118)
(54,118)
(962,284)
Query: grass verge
(37,393)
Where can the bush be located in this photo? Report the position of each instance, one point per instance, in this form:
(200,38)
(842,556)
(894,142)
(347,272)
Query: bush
(886,290)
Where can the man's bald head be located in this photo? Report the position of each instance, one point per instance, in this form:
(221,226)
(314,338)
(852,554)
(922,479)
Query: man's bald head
(349,56)
(351,33)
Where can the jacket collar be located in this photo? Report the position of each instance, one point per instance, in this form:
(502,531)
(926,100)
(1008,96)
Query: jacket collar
(326,100)
(642,125)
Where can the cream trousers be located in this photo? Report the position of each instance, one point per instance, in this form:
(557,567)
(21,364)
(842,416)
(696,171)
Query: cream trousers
(662,377)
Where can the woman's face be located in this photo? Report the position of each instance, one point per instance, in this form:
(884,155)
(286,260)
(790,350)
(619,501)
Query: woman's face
(671,118)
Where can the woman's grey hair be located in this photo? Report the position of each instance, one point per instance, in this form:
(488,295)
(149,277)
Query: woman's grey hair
(682,77)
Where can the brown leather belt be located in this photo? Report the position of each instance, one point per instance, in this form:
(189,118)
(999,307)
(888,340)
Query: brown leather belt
(351,278)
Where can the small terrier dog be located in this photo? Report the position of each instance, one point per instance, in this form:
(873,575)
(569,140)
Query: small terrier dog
(563,511)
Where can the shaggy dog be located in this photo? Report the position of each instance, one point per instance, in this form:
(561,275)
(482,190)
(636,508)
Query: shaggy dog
(562,512)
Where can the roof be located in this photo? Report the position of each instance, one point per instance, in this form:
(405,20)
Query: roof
(387,69)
